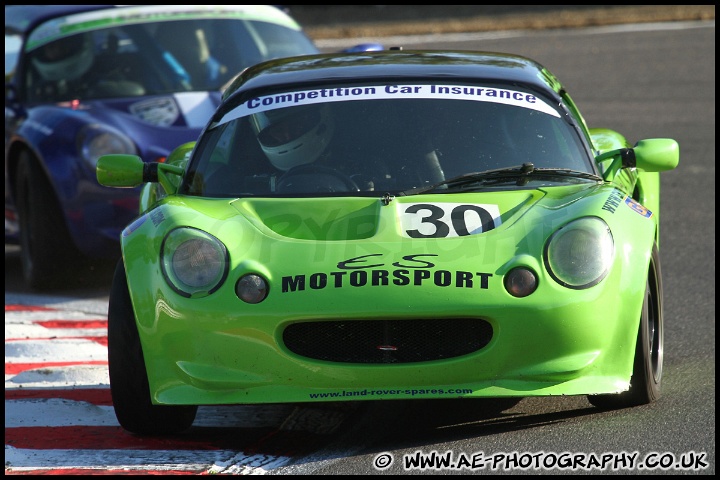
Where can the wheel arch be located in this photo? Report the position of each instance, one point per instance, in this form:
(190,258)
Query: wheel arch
(647,193)
(15,152)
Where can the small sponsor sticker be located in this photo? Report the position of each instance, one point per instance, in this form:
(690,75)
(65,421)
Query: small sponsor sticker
(638,208)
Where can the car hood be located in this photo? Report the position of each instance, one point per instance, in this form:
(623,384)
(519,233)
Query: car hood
(419,216)
(513,218)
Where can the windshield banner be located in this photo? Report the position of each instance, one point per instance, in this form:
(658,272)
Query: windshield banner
(390,92)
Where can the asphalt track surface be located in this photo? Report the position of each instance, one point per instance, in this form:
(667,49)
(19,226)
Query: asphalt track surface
(655,80)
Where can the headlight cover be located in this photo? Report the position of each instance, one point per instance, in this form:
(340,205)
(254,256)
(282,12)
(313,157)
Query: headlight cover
(97,140)
(194,263)
(579,254)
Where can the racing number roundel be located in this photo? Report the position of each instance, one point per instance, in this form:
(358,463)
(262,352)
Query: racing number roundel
(441,220)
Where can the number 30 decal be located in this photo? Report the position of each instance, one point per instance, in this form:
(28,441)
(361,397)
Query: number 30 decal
(440,220)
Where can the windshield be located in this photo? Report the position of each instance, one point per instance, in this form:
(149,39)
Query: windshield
(350,140)
(158,57)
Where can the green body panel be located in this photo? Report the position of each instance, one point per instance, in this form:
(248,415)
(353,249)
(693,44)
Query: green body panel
(556,341)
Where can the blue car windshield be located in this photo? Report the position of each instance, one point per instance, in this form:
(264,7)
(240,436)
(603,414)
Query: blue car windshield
(332,141)
(149,58)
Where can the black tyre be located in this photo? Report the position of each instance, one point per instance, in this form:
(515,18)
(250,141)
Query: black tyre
(128,378)
(647,368)
(47,253)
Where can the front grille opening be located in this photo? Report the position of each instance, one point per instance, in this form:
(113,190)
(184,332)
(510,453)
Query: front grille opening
(387,341)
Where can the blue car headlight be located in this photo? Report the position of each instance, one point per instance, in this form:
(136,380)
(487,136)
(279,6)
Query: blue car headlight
(97,140)
(579,254)
(194,263)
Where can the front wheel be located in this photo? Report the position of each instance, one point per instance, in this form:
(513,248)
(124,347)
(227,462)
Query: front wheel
(647,367)
(128,377)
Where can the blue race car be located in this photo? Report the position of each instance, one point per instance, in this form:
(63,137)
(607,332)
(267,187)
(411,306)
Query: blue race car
(86,80)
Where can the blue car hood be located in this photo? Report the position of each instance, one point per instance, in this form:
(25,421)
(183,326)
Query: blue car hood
(184,109)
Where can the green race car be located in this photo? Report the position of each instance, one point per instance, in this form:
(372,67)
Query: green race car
(388,225)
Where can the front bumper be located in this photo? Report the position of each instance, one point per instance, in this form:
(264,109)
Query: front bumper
(555,342)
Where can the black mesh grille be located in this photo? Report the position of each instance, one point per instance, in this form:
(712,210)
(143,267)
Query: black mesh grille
(387,341)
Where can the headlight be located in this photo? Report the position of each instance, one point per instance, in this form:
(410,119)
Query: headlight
(580,253)
(97,140)
(194,263)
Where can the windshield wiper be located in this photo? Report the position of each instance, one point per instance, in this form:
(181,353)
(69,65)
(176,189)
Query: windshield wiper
(566,172)
(520,174)
(473,177)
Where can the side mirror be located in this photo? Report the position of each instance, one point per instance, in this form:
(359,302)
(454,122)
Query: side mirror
(657,154)
(650,155)
(120,170)
(127,171)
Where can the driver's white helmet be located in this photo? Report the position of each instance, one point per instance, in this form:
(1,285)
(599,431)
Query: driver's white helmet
(295,135)
(65,59)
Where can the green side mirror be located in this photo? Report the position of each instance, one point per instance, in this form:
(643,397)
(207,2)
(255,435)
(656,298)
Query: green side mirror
(651,155)
(120,170)
(126,171)
(657,154)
